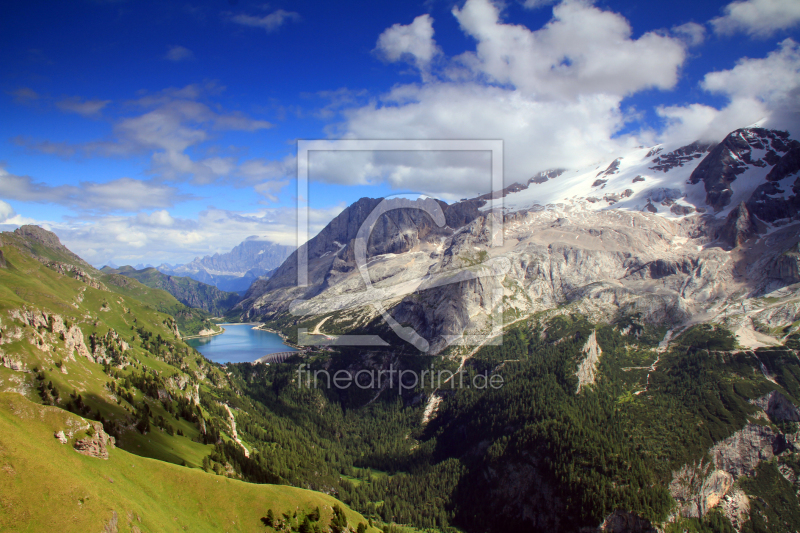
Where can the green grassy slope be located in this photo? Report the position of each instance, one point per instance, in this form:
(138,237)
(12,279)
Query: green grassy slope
(47,486)
(189,292)
(81,343)
(33,243)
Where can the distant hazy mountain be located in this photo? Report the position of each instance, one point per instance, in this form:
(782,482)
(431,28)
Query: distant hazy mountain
(188,291)
(236,270)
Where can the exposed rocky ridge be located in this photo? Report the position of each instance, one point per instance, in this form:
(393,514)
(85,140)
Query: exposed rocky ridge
(738,227)
(49,240)
(732,157)
(679,157)
(97,444)
(587,370)
(700,487)
(251,253)
(236,270)
(778,407)
(602,262)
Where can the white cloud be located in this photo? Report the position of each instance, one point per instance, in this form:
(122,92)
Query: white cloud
(82,107)
(767,79)
(535,4)
(270,22)
(156,218)
(269,189)
(692,33)
(760,18)
(6,211)
(169,124)
(413,42)
(761,88)
(553,95)
(160,237)
(178,53)
(124,194)
(582,50)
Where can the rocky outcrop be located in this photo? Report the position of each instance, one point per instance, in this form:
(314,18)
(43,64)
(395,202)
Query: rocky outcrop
(699,488)
(587,370)
(778,407)
(738,227)
(730,158)
(234,433)
(678,158)
(72,335)
(2,260)
(741,453)
(736,507)
(60,436)
(35,234)
(96,444)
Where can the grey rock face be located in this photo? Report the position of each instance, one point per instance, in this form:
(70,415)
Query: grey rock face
(738,227)
(778,407)
(600,262)
(731,157)
(253,253)
(679,157)
(741,453)
(769,202)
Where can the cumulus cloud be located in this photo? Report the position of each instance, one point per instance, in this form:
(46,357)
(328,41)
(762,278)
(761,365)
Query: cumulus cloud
(6,211)
(161,237)
(582,50)
(9,219)
(692,33)
(756,88)
(178,53)
(270,22)
(156,218)
(553,95)
(759,18)
(86,108)
(124,194)
(412,42)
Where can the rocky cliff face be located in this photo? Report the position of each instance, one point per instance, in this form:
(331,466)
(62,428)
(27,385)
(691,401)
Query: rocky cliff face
(655,246)
(236,270)
(732,157)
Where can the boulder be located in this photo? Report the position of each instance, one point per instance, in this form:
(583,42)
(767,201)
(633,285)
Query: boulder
(96,445)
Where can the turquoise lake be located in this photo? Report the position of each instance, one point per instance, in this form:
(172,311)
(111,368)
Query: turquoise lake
(239,344)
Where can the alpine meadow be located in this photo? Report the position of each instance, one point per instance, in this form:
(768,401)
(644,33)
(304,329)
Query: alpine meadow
(464,266)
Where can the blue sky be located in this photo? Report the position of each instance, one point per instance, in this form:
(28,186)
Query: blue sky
(159,131)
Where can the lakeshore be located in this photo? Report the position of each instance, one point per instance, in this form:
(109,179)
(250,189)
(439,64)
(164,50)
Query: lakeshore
(241,343)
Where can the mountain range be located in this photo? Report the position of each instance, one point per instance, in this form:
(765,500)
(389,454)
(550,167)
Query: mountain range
(236,270)
(186,290)
(674,235)
(639,321)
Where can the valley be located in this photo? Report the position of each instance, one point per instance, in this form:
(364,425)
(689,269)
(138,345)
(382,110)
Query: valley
(647,363)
